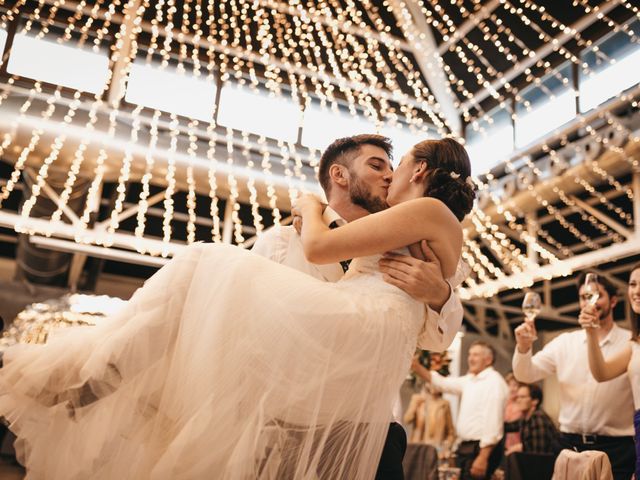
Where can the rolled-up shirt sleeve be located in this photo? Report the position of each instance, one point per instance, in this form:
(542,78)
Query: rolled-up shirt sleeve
(440,329)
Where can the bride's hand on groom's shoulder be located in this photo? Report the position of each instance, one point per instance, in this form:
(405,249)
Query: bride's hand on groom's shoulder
(305,205)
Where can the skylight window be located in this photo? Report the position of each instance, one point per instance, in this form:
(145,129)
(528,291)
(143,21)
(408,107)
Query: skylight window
(551,104)
(491,143)
(3,39)
(403,139)
(58,64)
(259,112)
(171,91)
(545,117)
(322,126)
(610,81)
(612,68)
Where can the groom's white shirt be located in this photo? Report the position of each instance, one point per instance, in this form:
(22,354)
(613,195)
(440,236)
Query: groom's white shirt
(283,245)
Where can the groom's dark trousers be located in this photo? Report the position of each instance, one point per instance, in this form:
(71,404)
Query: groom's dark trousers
(390,466)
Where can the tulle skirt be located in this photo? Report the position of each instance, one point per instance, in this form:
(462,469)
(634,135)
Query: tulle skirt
(223,366)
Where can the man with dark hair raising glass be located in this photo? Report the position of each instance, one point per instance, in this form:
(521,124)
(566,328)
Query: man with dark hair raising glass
(593,416)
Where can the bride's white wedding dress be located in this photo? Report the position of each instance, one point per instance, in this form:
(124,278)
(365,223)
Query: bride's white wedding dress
(224,365)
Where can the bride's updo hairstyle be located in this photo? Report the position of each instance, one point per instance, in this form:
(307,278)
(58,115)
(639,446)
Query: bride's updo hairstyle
(448,176)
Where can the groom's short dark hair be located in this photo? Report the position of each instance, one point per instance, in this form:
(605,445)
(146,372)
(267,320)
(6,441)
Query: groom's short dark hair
(342,148)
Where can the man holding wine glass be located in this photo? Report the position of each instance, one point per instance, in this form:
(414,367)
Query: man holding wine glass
(531,306)
(593,416)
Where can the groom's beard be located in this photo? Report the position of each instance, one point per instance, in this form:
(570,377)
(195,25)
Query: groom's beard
(361,196)
(605,312)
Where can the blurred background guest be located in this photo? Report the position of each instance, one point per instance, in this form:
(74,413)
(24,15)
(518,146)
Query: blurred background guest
(512,413)
(430,415)
(479,425)
(537,431)
(534,457)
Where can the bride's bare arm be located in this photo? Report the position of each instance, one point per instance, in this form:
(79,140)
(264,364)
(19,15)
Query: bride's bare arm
(601,369)
(402,225)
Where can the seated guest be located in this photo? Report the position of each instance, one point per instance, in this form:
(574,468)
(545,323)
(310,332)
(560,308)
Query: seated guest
(538,434)
(512,413)
(430,415)
(414,417)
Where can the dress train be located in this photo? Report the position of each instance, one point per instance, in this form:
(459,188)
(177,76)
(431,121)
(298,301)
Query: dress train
(224,365)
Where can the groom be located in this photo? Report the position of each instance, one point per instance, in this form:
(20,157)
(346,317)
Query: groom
(355,173)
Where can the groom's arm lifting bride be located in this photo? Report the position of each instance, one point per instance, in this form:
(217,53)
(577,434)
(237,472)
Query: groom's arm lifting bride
(355,174)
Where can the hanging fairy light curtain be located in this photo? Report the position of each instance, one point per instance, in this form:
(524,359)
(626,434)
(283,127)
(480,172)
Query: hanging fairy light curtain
(314,60)
(166,49)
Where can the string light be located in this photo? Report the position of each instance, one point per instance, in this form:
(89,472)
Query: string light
(123,180)
(92,203)
(191,185)
(56,146)
(143,204)
(233,192)
(33,142)
(552,210)
(171,186)
(307,60)
(213,185)
(251,185)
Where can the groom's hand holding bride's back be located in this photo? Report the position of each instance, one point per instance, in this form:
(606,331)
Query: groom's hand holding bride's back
(421,279)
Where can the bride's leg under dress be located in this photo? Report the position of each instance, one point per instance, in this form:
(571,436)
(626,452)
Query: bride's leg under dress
(224,365)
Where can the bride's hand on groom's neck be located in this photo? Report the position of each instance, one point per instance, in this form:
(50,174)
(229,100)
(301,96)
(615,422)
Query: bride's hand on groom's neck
(296,215)
(308,204)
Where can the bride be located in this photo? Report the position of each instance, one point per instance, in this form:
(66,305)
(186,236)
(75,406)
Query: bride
(226,365)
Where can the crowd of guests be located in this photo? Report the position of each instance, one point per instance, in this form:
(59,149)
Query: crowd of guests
(501,425)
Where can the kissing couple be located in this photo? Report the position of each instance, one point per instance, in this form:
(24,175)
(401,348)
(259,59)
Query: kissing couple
(279,363)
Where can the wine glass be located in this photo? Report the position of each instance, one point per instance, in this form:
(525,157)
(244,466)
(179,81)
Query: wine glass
(591,291)
(531,307)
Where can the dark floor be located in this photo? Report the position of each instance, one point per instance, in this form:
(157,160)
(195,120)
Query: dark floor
(9,470)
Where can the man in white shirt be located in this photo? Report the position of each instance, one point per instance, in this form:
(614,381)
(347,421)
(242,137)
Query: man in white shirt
(593,416)
(479,426)
(355,173)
